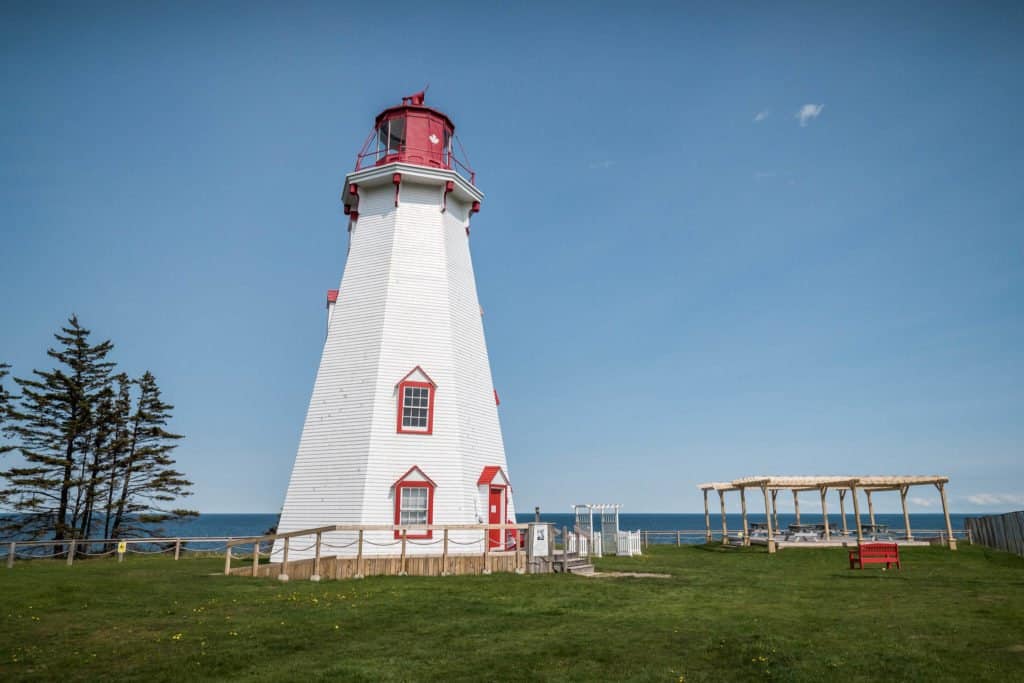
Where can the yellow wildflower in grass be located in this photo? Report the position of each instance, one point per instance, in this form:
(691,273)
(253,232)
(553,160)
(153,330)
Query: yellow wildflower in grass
(176,636)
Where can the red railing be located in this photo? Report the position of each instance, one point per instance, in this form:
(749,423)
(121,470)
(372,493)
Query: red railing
(374,153)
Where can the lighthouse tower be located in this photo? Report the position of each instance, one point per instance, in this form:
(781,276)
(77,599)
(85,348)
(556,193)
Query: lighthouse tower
(402,426)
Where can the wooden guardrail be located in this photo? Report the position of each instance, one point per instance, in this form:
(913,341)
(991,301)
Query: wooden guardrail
(84,548)
(360,561)
(1003,532)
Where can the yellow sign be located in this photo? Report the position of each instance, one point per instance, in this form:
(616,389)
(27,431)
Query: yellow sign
(122,547)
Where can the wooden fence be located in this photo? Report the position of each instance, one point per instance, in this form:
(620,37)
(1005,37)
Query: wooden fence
(651,537)
(486,561)
(1002,532)
(78,548)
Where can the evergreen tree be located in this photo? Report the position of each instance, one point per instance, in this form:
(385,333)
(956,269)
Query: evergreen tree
(52,424)
(119,446)
(5,401)
(92,458)
(102,456)
(146,473)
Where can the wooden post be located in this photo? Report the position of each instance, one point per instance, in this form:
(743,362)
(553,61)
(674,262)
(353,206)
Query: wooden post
(945,511)
(256,559)
(796,506)
(871,511)
(906,515)
(842,510)
(768,518)
(775,507)
(565,542)
(177,549)
(71,552)
(487,555)
(444,553)
(743,509)
(10,555)
(227,561)
(856,514)
(679,539)
(316,558)
(404,532)
(707,518)
(283,576)
(725,526)
(359,557)
(824,511)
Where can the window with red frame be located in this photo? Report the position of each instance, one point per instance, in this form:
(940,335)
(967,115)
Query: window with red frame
(414,506)
(415,408)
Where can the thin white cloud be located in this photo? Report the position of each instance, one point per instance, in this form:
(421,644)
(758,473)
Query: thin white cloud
(996,499)
(761,116)
(605,163)
(808,113)
(922,502)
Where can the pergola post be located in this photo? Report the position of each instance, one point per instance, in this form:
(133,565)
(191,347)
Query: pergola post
(775,507)
(906,515)
(743,508)
(796,506)
(768,518)
(842,510)
(856,514)
(707,518)
(725,526)
(824,511)
(945,511)
(871,510)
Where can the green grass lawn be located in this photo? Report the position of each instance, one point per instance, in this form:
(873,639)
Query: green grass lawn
(723,615)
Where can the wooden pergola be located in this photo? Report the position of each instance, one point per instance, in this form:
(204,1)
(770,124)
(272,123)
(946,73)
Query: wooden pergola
(771,485)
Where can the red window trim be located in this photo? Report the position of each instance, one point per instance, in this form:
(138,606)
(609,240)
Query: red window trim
(430,408)
(429,486)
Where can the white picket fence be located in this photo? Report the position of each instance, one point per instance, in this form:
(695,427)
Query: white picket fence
(628,544)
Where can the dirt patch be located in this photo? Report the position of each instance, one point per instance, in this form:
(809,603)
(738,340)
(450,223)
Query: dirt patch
(635,575)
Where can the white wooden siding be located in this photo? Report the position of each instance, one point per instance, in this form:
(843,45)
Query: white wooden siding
(408,297)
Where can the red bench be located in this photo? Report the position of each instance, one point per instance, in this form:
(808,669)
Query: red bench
(875,553)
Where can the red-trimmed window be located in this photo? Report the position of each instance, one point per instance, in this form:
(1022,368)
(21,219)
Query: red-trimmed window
(415,407)
(414,504)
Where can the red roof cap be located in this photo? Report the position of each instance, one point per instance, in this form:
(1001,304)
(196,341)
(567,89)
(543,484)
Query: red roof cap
(332,296)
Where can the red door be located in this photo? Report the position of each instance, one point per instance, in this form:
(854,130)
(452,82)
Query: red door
(496,515)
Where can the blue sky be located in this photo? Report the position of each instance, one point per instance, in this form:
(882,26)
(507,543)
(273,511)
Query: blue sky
(683,280)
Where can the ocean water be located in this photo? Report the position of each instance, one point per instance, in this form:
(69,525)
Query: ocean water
(254,524)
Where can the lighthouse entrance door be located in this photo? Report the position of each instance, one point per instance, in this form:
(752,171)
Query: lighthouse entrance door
(496,515)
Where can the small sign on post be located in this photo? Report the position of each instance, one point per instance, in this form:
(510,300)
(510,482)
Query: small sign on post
(540,548)
(122,548)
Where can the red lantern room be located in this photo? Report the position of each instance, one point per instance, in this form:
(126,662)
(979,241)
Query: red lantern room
(412,133)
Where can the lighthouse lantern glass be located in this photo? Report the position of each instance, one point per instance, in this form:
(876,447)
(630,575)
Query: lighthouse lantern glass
(391,137)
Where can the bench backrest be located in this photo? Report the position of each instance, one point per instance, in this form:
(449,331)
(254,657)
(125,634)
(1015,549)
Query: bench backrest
(879,550)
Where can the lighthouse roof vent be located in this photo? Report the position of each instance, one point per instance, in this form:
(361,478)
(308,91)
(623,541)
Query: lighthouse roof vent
(414,133)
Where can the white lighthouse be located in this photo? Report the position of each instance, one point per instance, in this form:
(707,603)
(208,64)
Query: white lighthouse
(402,426)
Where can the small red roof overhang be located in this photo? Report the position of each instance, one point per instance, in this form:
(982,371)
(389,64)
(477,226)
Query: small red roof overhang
(332,296)
(414,468)
(488,475)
